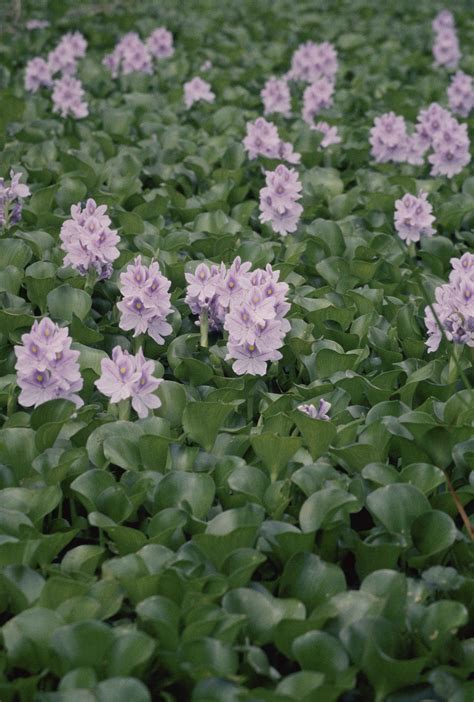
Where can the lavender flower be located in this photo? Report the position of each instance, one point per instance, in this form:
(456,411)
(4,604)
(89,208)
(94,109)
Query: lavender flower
(10,199)
(311,61)
(461,94)
(160,43)
(278,200)
(262,140)
(331,135)
(388,138)
(319,412)
(446,50)
(130,55)
(413,218)
(415,149)
(443,20)
(47,368)
(88,241)
(276,97)
(63,58)
(36,24)
(201,293)
(250,306)
(317,96)
(129,377)
(451,150)
(68,98)
(146,300)
(206,66)
(197,89)
(454,306)
(431,121)
(256,323)
(37,75)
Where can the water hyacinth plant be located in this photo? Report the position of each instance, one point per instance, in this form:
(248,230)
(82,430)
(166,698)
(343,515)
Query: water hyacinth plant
(236,351)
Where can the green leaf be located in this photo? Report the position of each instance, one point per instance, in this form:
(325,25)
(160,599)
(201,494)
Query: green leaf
(66,301)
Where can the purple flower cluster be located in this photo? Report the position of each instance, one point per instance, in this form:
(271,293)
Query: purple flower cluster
(88,241)
(446,50)
(461,94)
(256,323)
(197,89)
(36,24)
(276,97)
(262,139)
(131,54)
(47,368)
(146,300)
(454,306)
(126,376)
(38,75)
(160,43)
(436,129)
(250,305)
(63,58)
(68,95)
(279,199)
(317,96)
(312,61)
(448,139)
(319,412)
(388,138)
(413,217)
(10,199)
(331,135)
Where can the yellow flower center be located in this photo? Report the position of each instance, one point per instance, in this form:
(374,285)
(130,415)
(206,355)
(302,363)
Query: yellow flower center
(123,370)
(39,377)
(251,347)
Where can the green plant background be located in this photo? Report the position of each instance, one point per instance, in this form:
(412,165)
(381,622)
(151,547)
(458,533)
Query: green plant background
(230,548)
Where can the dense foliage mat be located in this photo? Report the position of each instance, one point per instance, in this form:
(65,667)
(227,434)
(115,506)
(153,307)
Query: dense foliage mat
(228,546)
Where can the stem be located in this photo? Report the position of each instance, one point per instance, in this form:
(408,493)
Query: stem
(124,410)
(249,407)
(204,327)
(91,280)
(412,249)
(138,342)
(459,507)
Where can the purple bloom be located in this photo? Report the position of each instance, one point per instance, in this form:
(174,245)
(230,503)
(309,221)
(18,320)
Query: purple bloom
(415,149)
(36,24)
(443,20)
(312,61)
(388,138)
(276,97)
(126,376)
(130,55)
(160,43)
(262,140)
(278,200)
(37,75)
(10,199)
(317,96)
(451,150)
(88,241)
(331,135)
(47,368)
(256,322)
(68,97)
(454,306)
(319,412)
(206,66)
(146,300)
(197,89)
(446,50)
(431,121)
(63,58)
(413,218)
(461,94)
